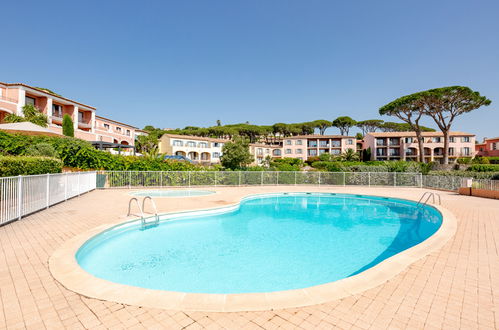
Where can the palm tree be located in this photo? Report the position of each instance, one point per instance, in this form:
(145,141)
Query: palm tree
(350,155)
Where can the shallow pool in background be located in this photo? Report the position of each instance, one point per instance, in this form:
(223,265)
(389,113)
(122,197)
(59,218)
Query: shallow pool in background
(269,243)
(172,193)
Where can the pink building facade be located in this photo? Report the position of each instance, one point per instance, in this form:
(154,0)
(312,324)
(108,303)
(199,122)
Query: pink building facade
(87,126)
(404,146)
(488,148)
(305,146)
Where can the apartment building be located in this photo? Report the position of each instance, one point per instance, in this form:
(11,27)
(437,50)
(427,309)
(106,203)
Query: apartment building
(113,131)
(196,148)
(306,146)
(261,151)
(488,148)
(87,125)
(404,145)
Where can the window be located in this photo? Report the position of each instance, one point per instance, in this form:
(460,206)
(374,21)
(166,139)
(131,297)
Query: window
(380,152)
(267,151)
(380,142)
(106,126)
(288,142)
(493,146)
(409,140)
(56,110)
(80,116)
(394,141)
(335,152)
(216,155)
(203,144)
(277,152)
(466,151)
(436,139)
(299,142)
(465,139)
(312,144)
(452,139)
(118,129)
(394,152)
(191,144)
(323,144)
(288,151)
(451,151)
(312,152)
(128,132)
(322,151)
(299,151)
(178,143)
(259,151)
(336,144)
(350,141)
(30,100)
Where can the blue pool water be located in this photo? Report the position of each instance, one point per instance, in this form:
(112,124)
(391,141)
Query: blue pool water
(270,243)
(172,193)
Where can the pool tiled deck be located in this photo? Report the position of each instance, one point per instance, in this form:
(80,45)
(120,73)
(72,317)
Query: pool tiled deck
(454,287)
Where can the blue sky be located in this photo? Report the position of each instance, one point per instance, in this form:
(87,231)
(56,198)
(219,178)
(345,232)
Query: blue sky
(178,63)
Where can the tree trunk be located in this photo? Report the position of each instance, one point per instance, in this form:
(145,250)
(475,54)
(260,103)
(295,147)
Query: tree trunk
(420,145)
(446,146)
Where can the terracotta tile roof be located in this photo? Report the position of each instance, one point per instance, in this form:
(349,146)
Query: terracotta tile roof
(191,137)
(317,136)
(114,121)
(424,134)
(45,92)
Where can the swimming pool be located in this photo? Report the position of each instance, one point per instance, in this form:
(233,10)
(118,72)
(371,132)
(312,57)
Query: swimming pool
(268,243)
(172,193)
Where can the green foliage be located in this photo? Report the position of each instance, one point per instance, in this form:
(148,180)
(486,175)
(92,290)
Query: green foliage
(236,154)
(402,127)
(31,114)
(49,91)
(466,174)
(480,160)
(350,155)
(42,149)
(493,160)
(344,123)
(370,166)
(286,164)
(81,154)
(370,125)
(28,165)
(483,168)
(464,160)
(366,154)
(359,136)
(67,126)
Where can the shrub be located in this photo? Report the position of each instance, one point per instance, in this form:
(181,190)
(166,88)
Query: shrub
(464,160)
(28,165)
(484,168)
(42,149)
(493,160)
(67,126)
(466,174)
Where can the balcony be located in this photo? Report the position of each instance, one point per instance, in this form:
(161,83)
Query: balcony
(57,120)
(84,125)
(8,99)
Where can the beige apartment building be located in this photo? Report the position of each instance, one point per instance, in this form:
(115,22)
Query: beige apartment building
(197,149)
(306,146)
(404,146)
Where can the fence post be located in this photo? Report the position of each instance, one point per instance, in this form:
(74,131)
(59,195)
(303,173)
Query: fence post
(48,191)
(129,179)
(369,179)
(344,179)
(66,186)
(394,179)
(19,196)
(78,186)
(277,178)
(215,178)
(161,179)
(295,178)
(189,179)
(420,180)
(239,178)
(261,179)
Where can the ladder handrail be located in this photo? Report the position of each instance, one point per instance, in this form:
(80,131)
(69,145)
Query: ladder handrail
(138,205)
(429,195)
(153,204)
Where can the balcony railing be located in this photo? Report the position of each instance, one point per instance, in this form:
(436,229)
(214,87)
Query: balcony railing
(8,99)
(57,119)
(84,125)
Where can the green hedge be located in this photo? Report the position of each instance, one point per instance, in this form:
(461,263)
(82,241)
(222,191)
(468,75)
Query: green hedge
(467,174)
(484,168)
(28,165)
(81,154)
(493,160)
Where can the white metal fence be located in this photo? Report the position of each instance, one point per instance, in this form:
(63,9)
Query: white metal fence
(22,195)
(129,179)
(485,184)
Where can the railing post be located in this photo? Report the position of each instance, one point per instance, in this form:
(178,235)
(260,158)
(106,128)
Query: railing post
(420,180)
(344,179)
(319,178)
(66,186)
(277,178)
(161,179)
(19,196)
(48,191)
(78,186)
(369,179)
(189,179)
(295,178)
(394,179)
(215,178)
(261,179)
(129,179)
(239,178)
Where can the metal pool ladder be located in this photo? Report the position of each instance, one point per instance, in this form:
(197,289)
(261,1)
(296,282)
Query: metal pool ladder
(428,195)
(141,209)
